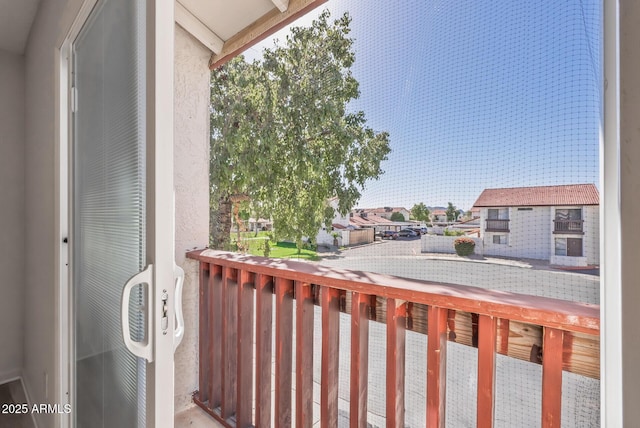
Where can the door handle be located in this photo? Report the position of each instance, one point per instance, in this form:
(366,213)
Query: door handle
(142,349)
(178,274)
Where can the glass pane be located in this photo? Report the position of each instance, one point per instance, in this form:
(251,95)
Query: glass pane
(561,247)
(108,213)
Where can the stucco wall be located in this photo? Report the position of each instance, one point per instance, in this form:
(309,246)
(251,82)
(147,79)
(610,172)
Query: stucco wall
(591,243)
(444,244)
(529,235)
(191,175)
(52,22)
(12,225)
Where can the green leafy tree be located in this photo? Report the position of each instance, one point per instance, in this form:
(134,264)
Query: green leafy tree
(452,212)
(396,217)
(282,138)
(420,212)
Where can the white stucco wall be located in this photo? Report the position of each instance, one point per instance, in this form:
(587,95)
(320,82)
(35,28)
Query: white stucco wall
(525,238)
(444,244)
(12,224)
(531,236)
(591,238)
(191,175)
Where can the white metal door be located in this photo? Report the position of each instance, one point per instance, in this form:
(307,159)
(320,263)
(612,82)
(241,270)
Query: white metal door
(121,216)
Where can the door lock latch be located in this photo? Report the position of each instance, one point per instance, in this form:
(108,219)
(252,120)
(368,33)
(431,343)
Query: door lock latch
(164,322)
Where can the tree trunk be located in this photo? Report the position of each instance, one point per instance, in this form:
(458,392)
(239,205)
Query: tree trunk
(220,223)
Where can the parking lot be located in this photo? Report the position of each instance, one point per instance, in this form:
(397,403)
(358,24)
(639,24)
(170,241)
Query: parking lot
(402,257)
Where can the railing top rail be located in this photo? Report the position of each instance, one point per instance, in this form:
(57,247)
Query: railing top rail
(555,313)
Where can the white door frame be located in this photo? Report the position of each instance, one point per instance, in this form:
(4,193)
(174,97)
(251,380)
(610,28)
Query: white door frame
(160,217)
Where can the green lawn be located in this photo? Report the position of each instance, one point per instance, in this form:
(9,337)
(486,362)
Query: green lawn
(282,250)
(261,234)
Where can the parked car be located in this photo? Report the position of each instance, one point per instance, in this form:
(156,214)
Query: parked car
(389,234)
(419,230)
(407,232)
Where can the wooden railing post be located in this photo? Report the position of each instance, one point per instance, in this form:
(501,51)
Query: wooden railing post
(396,343)
(552,347)
(359,360)
(264,329)
(436,366)
(284,342)
(304,355)
(204,334)
(216,334)
(330,357)
(229,342)
(244,401)
(487,335)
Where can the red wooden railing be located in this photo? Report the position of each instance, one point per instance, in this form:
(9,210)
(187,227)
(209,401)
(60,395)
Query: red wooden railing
(567,337)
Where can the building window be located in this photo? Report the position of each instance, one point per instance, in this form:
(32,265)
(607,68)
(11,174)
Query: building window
(571,247)
(499,239)
(497,220)
(498,213)
(568,221)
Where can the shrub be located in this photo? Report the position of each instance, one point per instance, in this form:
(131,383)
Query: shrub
(266,247)
(464,246)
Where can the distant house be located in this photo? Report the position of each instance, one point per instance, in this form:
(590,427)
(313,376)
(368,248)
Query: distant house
(439,216)
(555,223)
(385,212)
(348,232)
(259,224)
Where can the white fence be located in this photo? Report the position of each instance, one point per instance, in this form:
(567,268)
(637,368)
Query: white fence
(444,244)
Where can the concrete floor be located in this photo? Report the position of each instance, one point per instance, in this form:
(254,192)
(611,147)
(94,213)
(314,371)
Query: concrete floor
(12,393)
(195,417)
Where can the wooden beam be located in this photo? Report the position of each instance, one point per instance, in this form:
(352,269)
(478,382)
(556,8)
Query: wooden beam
(229,342)
(304,355)
(436,367)
(552,378)
(261,29)
(197,29)
(205,333)
(359,360)
(330,357)
(264,330)
(284,354)
(486,371)
(396,312)
(282,5)
(244,405)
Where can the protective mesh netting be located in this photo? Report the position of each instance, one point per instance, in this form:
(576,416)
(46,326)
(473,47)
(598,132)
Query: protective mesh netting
(479,95)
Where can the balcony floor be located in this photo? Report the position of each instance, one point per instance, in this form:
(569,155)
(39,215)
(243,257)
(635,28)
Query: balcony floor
(195,417)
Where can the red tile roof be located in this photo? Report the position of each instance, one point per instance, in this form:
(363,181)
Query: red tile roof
(370,220)
(381,210)
(572,194)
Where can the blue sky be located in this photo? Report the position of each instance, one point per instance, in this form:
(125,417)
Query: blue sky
(476,94)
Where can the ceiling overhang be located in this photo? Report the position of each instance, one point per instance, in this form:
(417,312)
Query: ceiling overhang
(229,28)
